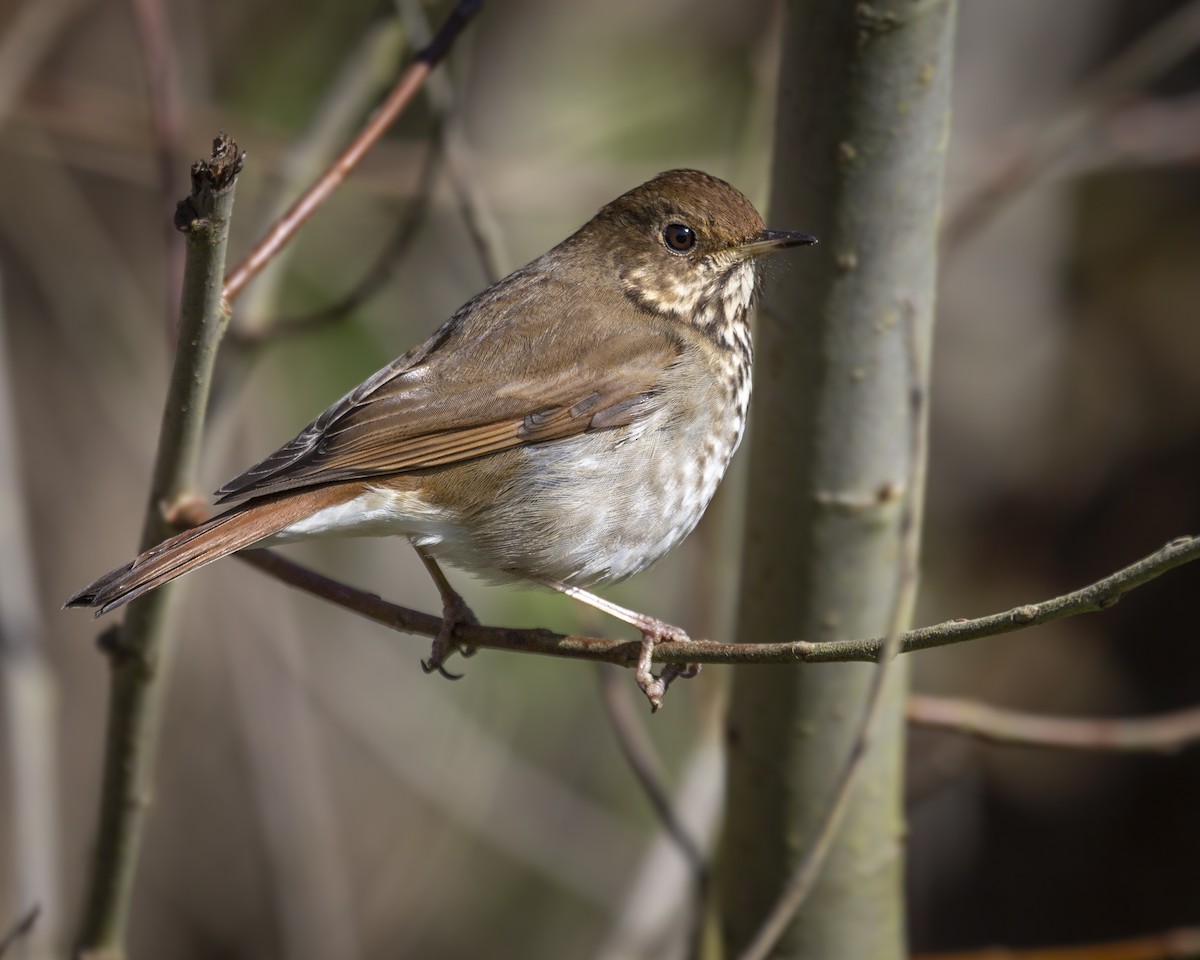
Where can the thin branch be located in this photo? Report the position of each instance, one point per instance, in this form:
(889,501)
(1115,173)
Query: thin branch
(1090,599)
(481,225)
(29,34)
(29,693)
(20,929)
(378,274)
(138,652)
(1094,597)
(1166,43)
(402,93)
(368,69)
(1169,945)
(1166,733)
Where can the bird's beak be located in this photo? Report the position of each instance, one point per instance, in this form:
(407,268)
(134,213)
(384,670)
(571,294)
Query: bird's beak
(771,240)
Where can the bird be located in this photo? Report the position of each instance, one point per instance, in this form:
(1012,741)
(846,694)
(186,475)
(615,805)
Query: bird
(566,427)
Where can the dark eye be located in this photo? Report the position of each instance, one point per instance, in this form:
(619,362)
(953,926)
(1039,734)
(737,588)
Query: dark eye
(679,238)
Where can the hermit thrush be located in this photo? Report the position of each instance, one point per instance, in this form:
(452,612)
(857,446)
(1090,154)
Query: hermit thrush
(568,426)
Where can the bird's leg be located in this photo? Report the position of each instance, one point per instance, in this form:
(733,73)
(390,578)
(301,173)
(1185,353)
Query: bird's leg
(454,612)
(653,631)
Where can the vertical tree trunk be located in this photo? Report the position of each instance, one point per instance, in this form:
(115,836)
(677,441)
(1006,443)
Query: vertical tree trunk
(861,135)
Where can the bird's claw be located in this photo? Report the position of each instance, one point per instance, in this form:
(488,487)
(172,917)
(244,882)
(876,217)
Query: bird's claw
(454,614)
(655,687)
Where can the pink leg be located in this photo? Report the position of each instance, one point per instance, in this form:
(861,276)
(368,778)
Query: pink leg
(653,631)
(454,612)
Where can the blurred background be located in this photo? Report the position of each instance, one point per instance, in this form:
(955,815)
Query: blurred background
(317,794)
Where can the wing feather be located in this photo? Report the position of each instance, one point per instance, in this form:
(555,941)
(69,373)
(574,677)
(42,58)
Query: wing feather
(491,378)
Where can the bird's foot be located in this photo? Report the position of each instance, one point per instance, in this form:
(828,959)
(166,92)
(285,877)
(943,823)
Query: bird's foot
(455,612)
(655,687)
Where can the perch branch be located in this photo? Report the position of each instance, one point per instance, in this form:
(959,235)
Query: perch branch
(1094,597)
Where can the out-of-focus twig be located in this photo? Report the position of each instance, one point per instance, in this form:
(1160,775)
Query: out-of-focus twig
(480,224)
(166,124)
(29,35)
(139,647)
(491,793)
(1165,733)
(375,277)
(639,753)
(365,73)
(1181,944)
(20,929)
(1148,133)
(292,786)
(449,151)
(402,93)
(30,694)
(1163,45)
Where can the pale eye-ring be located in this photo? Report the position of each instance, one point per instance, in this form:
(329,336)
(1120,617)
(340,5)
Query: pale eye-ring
(679,237)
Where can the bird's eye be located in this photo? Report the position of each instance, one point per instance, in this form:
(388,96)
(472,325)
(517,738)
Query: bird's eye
(679,238)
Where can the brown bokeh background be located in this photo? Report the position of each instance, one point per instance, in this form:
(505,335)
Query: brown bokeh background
(317,795)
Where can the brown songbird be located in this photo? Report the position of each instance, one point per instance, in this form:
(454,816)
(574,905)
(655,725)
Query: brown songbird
(568,426)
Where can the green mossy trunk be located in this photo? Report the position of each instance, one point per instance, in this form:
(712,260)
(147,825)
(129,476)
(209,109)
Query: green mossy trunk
(861,133)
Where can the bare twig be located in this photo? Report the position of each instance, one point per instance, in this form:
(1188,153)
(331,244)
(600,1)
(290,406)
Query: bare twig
(1165,733)
(136,660)
(639,754)
(1149,133)
(20,929)
(1164,44)
(1181,944)
(480,224)
(28,690)
(1090,599)
(372,281)
(402,93)
(1097,596)
(367,70)
(166,123)
(30,32)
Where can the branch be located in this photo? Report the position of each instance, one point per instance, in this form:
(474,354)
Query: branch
(1165,733)
(20,929)
(1090,599)
(481,226)
(1181,943)
(1094,597)
(367,70)
(369,284)
(402,93)
(138,653)
(29,691)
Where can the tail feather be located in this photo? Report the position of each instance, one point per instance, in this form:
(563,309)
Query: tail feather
(227,533)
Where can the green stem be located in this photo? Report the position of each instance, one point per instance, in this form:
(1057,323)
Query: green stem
(860,142)
(138,650)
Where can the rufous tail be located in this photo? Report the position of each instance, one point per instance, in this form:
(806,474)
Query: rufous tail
(227,533)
